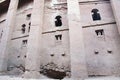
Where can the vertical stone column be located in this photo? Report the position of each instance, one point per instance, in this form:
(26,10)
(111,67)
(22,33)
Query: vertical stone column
(32,64)
(7,33)
(115,6)
(78,62)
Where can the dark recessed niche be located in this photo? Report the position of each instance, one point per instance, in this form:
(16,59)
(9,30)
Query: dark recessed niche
(51,55)
(63,54)
(29,23)
(29,26)
(58,37)
(96,52)
(23,25)
(24,42)
(28,16)
(18,56)
(58,21)
(23,28)
(95,15)
(25,56)
(99,32)
(109,51)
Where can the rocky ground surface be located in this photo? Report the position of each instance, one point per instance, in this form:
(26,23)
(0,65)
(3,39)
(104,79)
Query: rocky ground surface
(94,78)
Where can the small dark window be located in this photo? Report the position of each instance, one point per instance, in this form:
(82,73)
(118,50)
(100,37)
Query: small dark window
(58,21)
(52,55)
(96,15)
(109,51)
(28,17)
(99,32)
(64,54)
(29,27)
(23,28)
(96,52)
(24,42)
(58,37)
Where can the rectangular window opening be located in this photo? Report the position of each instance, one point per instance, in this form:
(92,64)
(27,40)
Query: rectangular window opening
(24,42)
(58,37)
(99,32)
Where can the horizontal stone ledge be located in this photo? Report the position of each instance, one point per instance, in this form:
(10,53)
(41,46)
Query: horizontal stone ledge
(52,31)
(101,24)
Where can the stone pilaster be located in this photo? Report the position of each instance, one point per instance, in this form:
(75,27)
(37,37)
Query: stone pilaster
(35,41)
(78,62)
(115,6)
(7,31)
